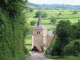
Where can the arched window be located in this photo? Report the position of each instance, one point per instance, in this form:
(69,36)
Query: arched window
(37,32)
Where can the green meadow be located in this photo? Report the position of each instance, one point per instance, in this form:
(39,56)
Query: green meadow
(65,15)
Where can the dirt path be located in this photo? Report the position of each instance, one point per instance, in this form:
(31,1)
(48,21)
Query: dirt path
(38,56)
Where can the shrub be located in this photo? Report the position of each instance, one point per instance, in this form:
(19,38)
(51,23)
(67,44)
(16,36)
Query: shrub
(59,13)
(56,49)
(44,15)
(72,48)
(75,12)
(53,19)
(31,9)
(47,52)
(32,23)
(38,13)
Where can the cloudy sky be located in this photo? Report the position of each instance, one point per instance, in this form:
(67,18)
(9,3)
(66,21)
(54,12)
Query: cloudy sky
(71,2)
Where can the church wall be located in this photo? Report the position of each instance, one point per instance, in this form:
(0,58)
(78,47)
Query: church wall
(38,40)
(44,33)
(49,39)
(35,31)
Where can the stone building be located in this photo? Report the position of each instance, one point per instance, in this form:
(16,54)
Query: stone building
(40,35)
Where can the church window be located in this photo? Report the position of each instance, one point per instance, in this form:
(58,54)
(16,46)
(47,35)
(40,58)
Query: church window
(37,32)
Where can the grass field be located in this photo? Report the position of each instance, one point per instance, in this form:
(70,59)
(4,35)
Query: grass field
(65,14)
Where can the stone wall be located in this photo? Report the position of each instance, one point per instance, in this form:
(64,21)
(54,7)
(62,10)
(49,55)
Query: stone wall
(49,39)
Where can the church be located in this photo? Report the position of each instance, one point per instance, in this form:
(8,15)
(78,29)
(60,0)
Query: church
(40,36)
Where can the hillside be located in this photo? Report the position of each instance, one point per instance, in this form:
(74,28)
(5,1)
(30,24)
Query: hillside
(53,6)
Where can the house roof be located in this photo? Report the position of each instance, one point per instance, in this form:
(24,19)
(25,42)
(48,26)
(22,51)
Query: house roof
(39,24)
(37,48)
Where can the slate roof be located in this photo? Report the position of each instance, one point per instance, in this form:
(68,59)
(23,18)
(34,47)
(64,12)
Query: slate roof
(39,21)
(39,24)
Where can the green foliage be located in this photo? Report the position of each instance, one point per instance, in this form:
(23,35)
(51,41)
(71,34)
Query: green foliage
(40,9)
(47,52)
(66,33)
(75,12)
(43,14)
(32,23)
(63,30)
(38,13)
(13,29)
(31,9)
(59,13)
(53,19)
(56,48)
(78,34)
(72,48)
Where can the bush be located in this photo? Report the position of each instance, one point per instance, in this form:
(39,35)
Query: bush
(31,9)
(47,52)
(53,19)
(72,48)
(75,12)
(59,13)
(44,15)
(32,23)
(56,48)
(38,13)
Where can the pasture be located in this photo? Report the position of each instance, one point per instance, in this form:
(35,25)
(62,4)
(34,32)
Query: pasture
(65,15)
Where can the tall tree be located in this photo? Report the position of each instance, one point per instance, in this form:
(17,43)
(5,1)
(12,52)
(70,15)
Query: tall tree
(12,30)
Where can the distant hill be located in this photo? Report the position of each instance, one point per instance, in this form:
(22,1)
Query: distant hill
(53,6)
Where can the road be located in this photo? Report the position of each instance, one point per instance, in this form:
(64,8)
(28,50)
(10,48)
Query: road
(38,56)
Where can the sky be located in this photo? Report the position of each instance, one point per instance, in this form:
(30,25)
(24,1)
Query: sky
(70,2)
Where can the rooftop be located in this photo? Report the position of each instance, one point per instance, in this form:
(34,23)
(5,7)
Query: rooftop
(39,24)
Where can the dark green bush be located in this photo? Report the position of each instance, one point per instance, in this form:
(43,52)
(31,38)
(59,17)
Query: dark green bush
(56,48)
(38,13)
(31,9)
(75,12)
(72,48)
(32,23)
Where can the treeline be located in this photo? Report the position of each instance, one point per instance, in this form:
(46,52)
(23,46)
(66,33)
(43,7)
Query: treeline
(68,39)
(13,29)
(53,6)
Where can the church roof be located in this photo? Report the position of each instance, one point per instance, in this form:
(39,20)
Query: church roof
(39,24)
(39,21)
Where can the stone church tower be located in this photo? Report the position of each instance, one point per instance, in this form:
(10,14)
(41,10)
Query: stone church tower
(39,34)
